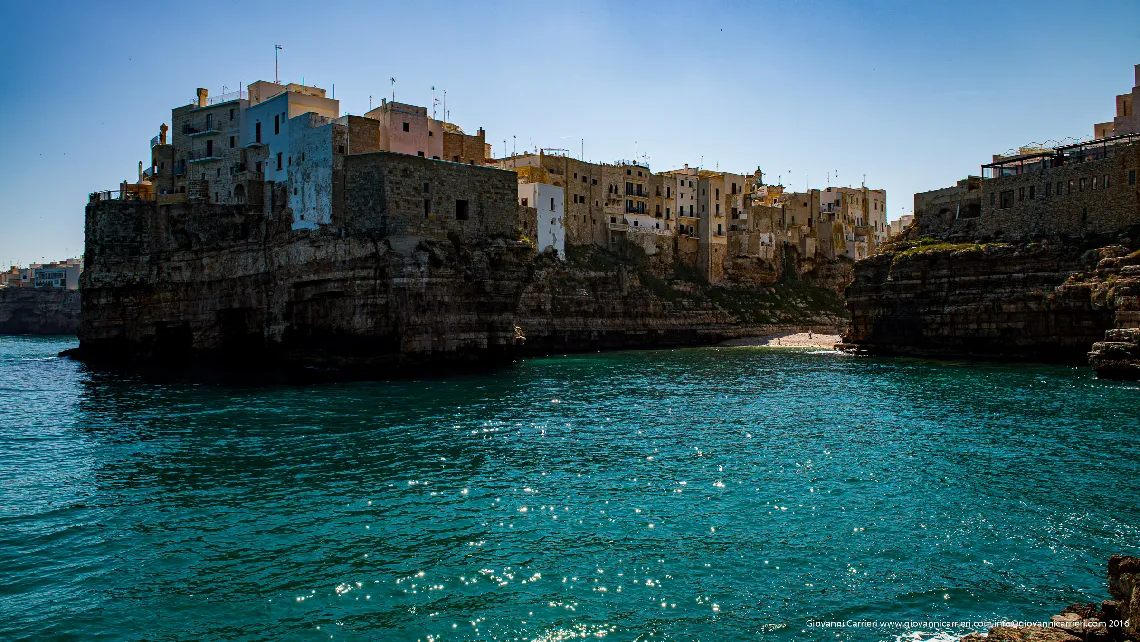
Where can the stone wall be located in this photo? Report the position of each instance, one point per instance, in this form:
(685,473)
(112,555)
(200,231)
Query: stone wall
(399,194)
(31,311)
(1033,205)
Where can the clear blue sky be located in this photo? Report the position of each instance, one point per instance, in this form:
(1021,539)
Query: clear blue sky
(913,94)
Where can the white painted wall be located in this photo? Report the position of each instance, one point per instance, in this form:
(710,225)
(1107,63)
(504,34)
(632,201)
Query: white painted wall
(550,203)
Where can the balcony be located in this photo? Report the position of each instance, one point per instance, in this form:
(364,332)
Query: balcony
(202,157)
(618,226)
(194,132)
(254,144)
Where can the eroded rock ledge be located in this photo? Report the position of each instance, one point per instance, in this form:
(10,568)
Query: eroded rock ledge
(1114,620)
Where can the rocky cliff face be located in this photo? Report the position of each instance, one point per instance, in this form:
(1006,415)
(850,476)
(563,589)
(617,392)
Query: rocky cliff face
(1007,300)
(193,281)
(31,311)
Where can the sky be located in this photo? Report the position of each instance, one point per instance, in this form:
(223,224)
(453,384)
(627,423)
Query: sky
(912,94)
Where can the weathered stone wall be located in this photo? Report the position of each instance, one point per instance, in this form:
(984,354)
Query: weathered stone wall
(31,311)
(400,194)
(1085,207)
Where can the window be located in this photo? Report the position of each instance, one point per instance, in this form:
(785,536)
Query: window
(583,178)
(718,193)
(279,155)
(461,210)
(276,124)
(1032,192)
(257,133)
(628,173)
(524,202)
(233,142)
(420,154)
(427,207)
(1060,187)
(1070,189)
(431,133)
(210,124)
(1048,190)
(1132,177)
(593,181)
(575,174)
(427,188)
(1094,182)
(993,199)
(407,128)
(258,166)
(231,113)
(209,148)
(289,161)
(1105,183)
(1006,199)
(340,149)
(1081,187)
(219,172)
(1021,194)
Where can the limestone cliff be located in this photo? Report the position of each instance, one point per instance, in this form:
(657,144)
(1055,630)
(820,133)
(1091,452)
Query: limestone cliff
(1003,300)
(198,281)
(31,311)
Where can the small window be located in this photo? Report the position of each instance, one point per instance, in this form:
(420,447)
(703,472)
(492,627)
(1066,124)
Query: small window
(993,198)
(552,204)
(1132,177)
(524,202)
(233,142)
(1060,187)
(1048,190)
(1094,182)
(1105,183)
(427,188)
(1081,187)
(427,207)
(257,134)
(276,124)
(594,181)
(340,149)
(407,128)
(461,210)
(420,154)
(1070,189)
(575,174)
(1032,192)
(231,113)
(431,133)
(1021,194)
(279,156)
(289,161)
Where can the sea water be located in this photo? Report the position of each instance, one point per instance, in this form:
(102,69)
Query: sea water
(688,494)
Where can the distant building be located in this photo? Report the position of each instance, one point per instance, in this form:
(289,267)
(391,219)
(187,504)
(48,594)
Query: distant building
(900,224)
(1126,121)
(407,129)
(63,275)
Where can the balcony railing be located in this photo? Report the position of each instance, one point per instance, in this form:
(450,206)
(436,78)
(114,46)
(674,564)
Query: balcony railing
(227,97)
(202,157)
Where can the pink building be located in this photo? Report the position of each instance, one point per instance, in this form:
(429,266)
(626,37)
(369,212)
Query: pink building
(407,129)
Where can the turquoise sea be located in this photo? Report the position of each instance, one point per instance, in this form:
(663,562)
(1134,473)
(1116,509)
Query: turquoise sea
(691,494)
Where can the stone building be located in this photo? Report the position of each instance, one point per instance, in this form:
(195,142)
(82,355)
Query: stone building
(1126,120)
(1074,189)
(407,129)
(459,147)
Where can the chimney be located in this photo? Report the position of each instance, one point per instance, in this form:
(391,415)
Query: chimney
(140,171)
(203,96)
(162,129)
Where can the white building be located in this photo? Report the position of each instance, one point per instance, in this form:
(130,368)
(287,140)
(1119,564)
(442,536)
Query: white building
(265,125)
(550,203)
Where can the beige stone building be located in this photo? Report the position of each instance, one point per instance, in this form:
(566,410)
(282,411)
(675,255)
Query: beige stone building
(1126,120)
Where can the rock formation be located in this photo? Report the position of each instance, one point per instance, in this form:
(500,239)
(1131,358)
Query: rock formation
(32,311)
(1111,621)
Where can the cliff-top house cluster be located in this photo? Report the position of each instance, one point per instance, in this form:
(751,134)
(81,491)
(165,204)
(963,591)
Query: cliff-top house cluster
(57,275)
(290,142)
